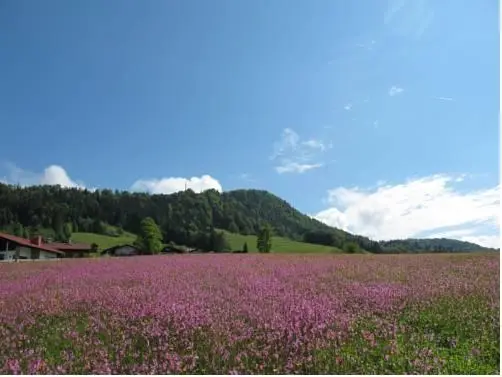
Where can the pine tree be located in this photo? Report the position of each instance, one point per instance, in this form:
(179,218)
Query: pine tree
(264,239)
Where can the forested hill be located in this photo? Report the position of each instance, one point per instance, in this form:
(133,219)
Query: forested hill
(182,216)
(427,245)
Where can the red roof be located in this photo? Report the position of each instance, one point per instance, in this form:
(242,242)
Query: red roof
(69,246)
(28,243)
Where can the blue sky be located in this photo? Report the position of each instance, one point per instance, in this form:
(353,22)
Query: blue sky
(380,117)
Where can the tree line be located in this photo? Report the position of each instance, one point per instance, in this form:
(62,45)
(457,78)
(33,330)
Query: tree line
(150,240)
(184,218)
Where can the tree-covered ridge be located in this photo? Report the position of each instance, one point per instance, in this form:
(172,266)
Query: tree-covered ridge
(181,216)
(184,217)
(427,245)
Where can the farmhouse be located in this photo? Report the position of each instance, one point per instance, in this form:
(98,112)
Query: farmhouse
(12,248)
(122,251)
(71,250)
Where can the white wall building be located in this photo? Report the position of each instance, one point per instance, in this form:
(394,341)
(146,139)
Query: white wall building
(12,248)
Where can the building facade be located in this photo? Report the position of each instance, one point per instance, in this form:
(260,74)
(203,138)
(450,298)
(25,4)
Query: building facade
(14,248)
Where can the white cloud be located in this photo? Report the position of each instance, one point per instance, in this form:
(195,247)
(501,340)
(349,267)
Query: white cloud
(315,144)
(348,107)
(52,175)
(444,98)
(293,155)
(56,175)
(294,167)
(288,142)
(415,208)
(395,90)
(486,241)
(175,184)
(470,235)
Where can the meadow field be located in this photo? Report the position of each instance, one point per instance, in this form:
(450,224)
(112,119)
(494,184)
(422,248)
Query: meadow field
(103,242)
(236,241)
(279,245)
(220,314)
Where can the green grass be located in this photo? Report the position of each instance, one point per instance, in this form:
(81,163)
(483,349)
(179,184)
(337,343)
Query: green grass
(450,336)
(104,242)
(279,245)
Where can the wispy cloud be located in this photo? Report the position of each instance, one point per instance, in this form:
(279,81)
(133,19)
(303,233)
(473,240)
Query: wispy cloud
(348,107)
(294,155)
(425,20)
(394,6)
(395,90)
(288,142)
(247,177)
(295,167)
(367,46)
(444,98)
(422,207)
(315,144)
(409,18)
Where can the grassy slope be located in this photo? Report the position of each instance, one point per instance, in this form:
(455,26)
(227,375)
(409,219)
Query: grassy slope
(104,242)
(279,244)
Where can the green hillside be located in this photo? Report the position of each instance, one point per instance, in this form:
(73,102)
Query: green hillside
(103,242)
(279,245)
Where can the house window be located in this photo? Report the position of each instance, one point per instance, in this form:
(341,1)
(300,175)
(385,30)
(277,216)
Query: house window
(6,245)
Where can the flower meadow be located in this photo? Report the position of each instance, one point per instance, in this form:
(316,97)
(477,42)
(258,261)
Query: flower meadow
(246,314)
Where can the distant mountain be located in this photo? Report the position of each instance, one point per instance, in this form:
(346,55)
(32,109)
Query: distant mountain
(427,245)
(182,216)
